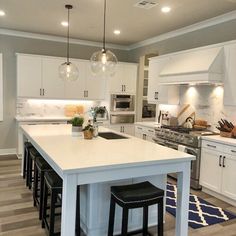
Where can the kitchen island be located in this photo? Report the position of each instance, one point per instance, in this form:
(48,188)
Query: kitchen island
(94,162)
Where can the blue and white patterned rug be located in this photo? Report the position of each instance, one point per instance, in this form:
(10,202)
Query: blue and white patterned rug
(201,212)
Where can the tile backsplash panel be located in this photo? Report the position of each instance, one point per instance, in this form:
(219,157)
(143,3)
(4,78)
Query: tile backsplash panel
(48,108)
(207,100)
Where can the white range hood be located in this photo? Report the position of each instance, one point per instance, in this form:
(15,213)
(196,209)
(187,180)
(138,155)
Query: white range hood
(205,66)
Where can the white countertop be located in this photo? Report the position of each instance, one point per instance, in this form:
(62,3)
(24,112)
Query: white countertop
(42,118)
(148,124)
(219,139)
(75,153)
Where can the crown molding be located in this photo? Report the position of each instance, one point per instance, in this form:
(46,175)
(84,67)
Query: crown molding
(25,34)
(200,25)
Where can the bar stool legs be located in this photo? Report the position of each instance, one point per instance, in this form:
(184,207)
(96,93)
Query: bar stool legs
(111,217)
(160,225)
(77,222)
(125,216)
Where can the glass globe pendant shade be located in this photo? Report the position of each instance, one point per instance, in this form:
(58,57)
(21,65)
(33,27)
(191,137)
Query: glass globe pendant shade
(68,71)
(103,62)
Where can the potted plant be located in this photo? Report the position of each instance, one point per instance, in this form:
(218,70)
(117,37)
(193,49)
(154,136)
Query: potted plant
(88,131)
(77,123)
(100,111)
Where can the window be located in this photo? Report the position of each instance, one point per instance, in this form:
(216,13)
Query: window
(1,89)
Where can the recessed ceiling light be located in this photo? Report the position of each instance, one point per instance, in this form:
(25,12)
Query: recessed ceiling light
(165,9)
(64,23)
(2,13)
(116,32)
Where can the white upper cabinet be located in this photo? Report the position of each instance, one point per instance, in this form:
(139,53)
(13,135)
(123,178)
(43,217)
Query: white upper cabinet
(230,75)
(165,94)
(124,80)
(29,76)
(52,85)
(76,89)
(38,77)
(95,85)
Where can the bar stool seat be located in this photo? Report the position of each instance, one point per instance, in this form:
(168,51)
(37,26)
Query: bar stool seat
(136,196)
(40,167)
(33,154)
(27,146)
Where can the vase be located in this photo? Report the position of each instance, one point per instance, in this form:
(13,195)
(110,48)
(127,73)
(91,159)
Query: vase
(88,134)
(76,130)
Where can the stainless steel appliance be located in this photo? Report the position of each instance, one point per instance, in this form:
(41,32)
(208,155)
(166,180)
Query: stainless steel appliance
(121,118)
(122,102)
(189,141)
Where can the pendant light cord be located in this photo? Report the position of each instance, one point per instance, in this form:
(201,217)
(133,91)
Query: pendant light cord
(68,33)
(104,26)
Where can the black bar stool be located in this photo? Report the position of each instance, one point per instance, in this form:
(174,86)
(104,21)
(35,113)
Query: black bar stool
(135,196)
(40,167)
(53,186)
(27,146)
(33,154)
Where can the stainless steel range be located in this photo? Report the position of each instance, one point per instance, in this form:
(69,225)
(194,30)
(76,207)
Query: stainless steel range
(183,139)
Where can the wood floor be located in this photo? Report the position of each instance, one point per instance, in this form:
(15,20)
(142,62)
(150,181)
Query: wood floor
(18,217)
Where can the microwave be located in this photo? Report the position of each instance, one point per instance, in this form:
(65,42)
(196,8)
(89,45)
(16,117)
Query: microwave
(122,102)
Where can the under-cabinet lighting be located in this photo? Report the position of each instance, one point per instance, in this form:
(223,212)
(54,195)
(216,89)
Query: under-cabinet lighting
(62,102)
(116,32)
(64,23)
(218,91)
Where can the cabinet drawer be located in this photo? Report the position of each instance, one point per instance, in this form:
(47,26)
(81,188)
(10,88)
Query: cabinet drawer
(213,146)
(139,129)
(231,150)
(150,132)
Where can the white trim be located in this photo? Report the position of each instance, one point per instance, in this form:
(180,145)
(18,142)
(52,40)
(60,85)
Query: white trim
(9,151)
(1,88)
(24,34)
(197,26)
(200,25)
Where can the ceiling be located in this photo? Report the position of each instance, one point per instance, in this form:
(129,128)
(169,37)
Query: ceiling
(136,24)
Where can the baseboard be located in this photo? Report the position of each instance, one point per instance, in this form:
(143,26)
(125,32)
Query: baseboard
(219,196)
(10,151)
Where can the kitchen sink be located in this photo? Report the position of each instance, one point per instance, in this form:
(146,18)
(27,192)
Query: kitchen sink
(111,135)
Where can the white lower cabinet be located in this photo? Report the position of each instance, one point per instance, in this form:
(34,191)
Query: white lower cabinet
(218,165)
(123,128)
(145,133)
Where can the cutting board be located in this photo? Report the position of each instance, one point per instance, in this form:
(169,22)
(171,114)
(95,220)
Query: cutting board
(72,110)
(185,111)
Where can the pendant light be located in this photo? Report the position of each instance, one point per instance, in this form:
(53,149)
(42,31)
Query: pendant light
(103,61)
(68,71)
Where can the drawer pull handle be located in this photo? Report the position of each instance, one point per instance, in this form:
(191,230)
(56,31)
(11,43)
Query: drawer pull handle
(224,161)
(209,145)
(150,130)
(139,128)
(220,160)
(233,151)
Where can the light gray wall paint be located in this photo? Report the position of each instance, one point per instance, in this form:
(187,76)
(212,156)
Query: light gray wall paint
(9,46)
(211,35)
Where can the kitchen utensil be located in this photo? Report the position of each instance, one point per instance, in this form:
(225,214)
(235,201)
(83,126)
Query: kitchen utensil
(185,112)
(189,123)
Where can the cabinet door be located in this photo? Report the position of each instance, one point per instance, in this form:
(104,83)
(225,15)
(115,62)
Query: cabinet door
(29,75)
(128,129)
(229,176)
(95,84)
(210,171)
(160,93)
(76,89)
(129,78)
(53,85)
(116,81)
(230,74)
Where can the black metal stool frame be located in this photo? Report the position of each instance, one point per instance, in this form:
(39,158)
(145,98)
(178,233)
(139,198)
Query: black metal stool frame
(131,205)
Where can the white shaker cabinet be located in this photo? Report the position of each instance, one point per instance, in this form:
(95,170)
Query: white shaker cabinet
(145,133)
(29,76)
(123,128)
(230,75)
(124,80)
(166,94)
(52,85)
(218,165)
(76,89)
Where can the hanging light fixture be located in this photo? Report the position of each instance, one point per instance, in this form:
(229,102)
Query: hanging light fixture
(67,70)
(103,61)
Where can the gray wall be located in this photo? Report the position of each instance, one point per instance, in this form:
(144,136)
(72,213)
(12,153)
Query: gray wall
(211,35)
(9,46)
